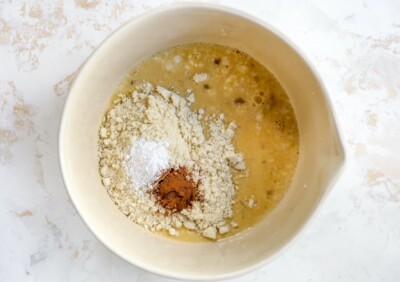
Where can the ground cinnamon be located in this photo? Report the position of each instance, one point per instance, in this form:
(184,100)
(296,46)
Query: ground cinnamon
(176,190)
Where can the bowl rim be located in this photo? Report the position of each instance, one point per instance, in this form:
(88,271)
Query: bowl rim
(264,24)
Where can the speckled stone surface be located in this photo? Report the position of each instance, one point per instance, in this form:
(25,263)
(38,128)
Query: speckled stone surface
(355,46)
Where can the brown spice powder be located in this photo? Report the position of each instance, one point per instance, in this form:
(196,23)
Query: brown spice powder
(176,190)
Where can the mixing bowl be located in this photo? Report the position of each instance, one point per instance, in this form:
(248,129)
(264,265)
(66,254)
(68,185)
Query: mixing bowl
(321,150)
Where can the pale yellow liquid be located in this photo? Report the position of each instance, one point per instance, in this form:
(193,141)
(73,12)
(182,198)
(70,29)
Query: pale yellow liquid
(247,93)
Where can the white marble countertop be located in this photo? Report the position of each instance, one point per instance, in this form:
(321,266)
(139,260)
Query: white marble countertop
(355,46)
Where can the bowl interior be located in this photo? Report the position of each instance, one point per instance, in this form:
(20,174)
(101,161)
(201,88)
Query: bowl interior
(321,152)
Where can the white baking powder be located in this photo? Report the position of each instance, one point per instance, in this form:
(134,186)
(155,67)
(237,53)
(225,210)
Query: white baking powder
(145,162)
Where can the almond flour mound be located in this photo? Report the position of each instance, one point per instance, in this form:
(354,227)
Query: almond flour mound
(161,115)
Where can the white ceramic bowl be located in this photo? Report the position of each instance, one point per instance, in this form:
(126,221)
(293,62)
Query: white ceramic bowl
(321,151)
